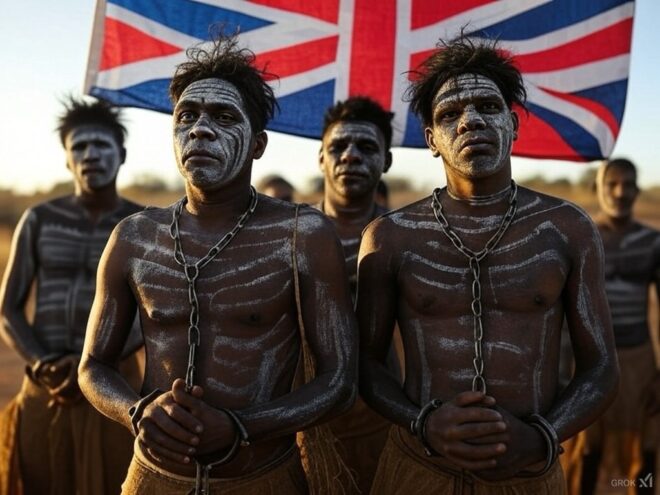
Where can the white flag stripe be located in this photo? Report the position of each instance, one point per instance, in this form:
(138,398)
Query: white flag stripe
(304,80)
(425,38)
(589,121)
(151,27)
(584,76)
(272,14)
(344,49)
(572,32)
(143,71)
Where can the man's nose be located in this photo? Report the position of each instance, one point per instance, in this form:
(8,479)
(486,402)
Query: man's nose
(351,154)
(470,120)
(202,129)
(91,153)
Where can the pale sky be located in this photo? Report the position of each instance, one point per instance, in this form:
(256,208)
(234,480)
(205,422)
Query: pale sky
(44,56)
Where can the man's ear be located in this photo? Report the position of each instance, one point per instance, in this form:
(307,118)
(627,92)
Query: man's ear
(260,143)
(430,141)
(122,155)
(516,124)
(321,162)
(388,161)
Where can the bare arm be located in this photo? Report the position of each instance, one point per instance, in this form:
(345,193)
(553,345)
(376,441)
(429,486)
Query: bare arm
(19,275)
(108,329)
(594,383)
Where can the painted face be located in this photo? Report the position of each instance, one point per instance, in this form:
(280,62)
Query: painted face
(352,158)
(93,156)
(617,191)
(213,136)
(473,129)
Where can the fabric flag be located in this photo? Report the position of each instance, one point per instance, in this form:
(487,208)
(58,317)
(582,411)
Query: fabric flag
(574,56)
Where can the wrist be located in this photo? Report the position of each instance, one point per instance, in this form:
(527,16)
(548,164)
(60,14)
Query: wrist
(418,426)
(136,411)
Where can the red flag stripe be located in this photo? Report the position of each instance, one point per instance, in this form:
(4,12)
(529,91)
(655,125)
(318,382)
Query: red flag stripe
(123,44)
(425,13)
(594,107)
(609,42)
(327,10)
(535,134)
(372,50)
(301,57)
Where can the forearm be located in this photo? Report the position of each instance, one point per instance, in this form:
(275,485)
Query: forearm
(313,403)
(585,398)
(383,392)
(106,389)
(19,336)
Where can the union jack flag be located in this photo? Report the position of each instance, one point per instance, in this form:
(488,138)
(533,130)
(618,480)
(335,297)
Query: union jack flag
(574,56)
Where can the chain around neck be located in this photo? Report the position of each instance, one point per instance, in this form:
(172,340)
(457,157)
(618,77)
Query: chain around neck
(485,199)
(191,272)
(478,382)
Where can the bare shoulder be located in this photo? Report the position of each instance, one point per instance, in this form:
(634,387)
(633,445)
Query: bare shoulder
(402,224)
(536,207)
(145,223)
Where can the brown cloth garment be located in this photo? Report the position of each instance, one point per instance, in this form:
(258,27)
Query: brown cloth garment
(72,449)
(405,471)
(285,476)
(362,434)
(624,430)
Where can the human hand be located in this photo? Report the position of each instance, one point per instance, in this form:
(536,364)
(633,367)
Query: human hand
(525,446)
(652,395)
(457,430)
(219,430)
(60,377)
(168,430)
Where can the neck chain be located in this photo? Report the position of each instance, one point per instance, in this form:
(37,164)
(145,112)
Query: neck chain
(481,200)
(478,382)
(191,272)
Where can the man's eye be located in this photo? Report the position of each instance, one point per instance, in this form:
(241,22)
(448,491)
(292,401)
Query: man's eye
(490,107)
(225,118)
(448,115)
(186,117)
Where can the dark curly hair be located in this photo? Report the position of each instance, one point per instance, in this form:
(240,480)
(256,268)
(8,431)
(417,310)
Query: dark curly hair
(464,56)
(225,60)
(78,111)
(360,108)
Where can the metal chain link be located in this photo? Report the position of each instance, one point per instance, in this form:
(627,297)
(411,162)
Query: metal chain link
(478,382)
(191,272)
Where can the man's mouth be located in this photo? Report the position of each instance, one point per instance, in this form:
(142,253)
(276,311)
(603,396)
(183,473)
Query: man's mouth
(476,143)
(199,155)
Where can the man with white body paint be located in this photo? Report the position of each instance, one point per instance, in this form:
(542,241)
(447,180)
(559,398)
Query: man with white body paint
(629,427)
(56,441)
(355,152)
(216,279)
(479,277)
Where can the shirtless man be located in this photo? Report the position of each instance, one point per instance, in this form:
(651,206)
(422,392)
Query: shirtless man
(61,443)
(214,281)
(479,277)
(355,152)
(629,427)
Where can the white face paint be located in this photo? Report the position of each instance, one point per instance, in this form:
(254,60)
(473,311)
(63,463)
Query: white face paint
(213,137)
(473,129)
(617,191)
(353,157)
(93,156)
